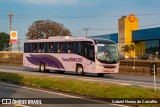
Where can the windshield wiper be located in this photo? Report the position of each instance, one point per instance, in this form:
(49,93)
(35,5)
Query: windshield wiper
(111,56)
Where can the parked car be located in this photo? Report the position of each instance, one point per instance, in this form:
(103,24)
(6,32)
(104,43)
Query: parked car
(121,57)
(146,57)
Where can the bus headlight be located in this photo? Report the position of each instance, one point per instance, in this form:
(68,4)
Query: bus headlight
(99,67)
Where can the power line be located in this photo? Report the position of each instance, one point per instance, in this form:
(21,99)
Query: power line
(75,17)
(148,14)
(89,16)
(103,29)
(125,28)
(150,25)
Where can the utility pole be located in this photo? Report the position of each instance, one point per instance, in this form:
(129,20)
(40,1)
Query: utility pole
(86,29)
(10,16)
(10,28)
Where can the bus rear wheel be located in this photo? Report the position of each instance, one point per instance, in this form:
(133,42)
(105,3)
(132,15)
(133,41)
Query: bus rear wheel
(79,70)
(100,74)
(42,67)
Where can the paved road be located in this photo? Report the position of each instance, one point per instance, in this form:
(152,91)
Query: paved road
(57,99)
(137,81)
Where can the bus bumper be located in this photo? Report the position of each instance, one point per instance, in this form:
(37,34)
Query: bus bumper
(107,70)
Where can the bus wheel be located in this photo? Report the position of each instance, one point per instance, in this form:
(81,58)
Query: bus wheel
(42,67)
(79,70)
(100,74)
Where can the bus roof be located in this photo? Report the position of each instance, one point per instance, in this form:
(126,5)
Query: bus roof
(59,39)
(66,39)
(101,40)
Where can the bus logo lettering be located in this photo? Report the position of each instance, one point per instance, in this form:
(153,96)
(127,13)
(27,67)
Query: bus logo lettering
(72,59)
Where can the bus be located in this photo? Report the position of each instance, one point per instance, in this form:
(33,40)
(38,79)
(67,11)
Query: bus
(80,55)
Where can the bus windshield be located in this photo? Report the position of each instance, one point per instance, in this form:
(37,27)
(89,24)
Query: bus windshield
(107,53)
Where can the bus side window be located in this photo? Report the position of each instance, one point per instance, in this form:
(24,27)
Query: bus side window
(70,47)
(91,53)
(46,47)
(83,49)
(88,51)
(64,47)
(77,48)
(29,47)
(34,47)
(59,47)
(39,47)
(42,47)
(55,48)
(26,47)
(50,48)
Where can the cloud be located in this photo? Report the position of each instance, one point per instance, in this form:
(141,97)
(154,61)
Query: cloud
(53,2)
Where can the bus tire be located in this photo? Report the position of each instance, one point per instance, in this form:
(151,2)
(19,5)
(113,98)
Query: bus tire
(79,70)
(42,67)
(100,74)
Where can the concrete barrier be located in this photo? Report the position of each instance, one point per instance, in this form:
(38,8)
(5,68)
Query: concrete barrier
(141,68)
(11,58)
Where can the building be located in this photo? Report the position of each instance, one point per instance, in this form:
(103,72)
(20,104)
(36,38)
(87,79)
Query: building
(113,37)
(147,40)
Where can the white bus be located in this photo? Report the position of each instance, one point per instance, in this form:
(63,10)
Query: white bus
(81,55)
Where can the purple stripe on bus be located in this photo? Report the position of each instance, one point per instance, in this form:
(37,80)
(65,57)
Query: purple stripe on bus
(47,59)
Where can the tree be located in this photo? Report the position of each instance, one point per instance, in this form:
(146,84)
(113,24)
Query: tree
(128,48)
(45,29)
(4,41)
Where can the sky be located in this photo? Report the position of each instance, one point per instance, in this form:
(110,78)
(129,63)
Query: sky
(100,16)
